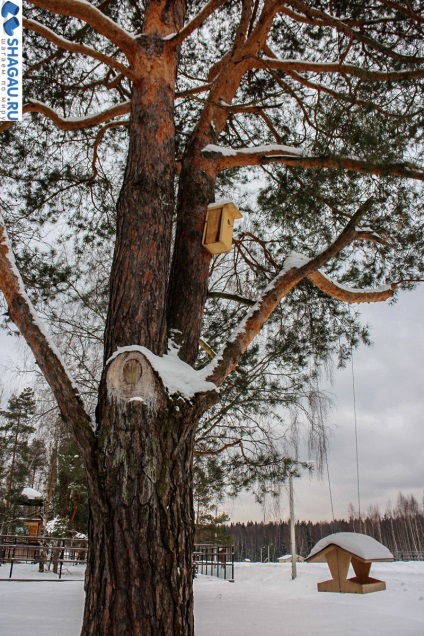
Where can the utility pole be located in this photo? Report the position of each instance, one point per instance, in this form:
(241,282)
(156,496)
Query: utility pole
(292,528)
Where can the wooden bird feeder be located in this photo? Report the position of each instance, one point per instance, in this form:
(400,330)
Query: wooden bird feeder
(342,549)
(219,226)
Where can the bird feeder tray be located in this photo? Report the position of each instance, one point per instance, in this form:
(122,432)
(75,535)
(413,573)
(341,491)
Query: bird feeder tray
(219,227)
(340,550)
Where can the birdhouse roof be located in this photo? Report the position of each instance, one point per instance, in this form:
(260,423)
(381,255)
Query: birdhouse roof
(360,545)
(229,205)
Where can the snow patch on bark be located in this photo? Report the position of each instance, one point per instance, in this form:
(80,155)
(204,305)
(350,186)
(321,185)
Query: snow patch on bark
(177,376)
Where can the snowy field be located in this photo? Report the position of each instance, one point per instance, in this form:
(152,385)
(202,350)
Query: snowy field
(263,601)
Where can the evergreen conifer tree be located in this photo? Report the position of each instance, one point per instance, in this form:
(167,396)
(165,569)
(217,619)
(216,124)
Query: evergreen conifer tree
(16,427)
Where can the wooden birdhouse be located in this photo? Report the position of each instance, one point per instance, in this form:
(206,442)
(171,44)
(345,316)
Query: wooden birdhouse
(219,226)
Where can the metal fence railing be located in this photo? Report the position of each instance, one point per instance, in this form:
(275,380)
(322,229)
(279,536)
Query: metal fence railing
(49,552)
(214,560)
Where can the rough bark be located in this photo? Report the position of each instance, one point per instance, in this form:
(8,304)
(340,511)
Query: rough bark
(144,215)
(139,574)
(188,292)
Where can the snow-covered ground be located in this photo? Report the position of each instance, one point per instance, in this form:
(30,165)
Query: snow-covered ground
(263,601)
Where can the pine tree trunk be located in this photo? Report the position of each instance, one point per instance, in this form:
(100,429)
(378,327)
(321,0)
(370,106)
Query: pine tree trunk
(139,573)
(141,531)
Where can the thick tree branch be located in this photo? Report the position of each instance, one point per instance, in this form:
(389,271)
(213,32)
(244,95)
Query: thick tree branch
(337,67)
(74,47)
(229,157)
(47,356)
(243,27)
(72,123)
(350,295)
(95,18)
(401,169)
(227,74)
(294,157)
(296,267)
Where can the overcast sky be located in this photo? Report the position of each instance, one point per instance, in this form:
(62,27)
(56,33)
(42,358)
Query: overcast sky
(389,389)
(389,382)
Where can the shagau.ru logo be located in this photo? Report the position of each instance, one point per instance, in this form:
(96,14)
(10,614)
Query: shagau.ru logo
(11,61)
(9,11)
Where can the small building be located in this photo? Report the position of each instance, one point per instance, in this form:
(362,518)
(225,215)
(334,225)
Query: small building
(287,558)
(30,510)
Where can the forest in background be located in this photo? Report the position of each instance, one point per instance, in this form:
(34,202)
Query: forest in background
(36,451)
(52,465)
(400,528)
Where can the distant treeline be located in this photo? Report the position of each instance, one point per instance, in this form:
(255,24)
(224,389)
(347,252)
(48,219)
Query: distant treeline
(401,529)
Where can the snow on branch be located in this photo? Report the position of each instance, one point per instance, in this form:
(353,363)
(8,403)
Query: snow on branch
(72,123)
(75,47)
(95,18)
(350,294)
(229,157)
(290,156)
(45,351)
(336,67)
(296,267)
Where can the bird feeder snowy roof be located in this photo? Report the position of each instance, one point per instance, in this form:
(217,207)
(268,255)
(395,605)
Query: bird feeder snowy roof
(30,497)
(359,545)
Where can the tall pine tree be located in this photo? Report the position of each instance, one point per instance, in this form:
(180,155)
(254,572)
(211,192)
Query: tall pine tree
(138,116)
(19,456)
